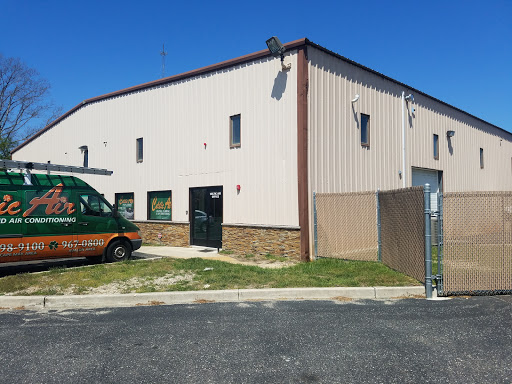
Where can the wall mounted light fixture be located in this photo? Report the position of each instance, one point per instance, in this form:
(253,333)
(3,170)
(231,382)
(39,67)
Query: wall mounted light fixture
(277,49)
(356,98)
(450,133)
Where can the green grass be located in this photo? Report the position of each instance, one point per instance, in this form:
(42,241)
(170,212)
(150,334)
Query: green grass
(153,244)
(269,256)
(321,273)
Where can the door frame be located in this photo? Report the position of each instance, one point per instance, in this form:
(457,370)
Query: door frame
(191,218)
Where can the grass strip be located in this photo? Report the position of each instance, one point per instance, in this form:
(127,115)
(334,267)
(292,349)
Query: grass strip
(197,274)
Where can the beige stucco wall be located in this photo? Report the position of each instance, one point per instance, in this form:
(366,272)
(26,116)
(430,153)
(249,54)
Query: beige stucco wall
(175,120)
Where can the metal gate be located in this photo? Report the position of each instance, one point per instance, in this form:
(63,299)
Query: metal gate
(475,236)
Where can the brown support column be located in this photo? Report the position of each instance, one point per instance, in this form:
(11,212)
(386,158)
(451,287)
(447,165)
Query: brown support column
(302,149)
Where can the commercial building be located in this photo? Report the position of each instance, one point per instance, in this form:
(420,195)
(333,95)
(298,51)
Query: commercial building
(230,155)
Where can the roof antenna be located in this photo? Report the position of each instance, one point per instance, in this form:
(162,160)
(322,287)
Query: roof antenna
(163,54)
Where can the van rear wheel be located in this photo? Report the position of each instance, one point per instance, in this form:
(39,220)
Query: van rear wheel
(118,251)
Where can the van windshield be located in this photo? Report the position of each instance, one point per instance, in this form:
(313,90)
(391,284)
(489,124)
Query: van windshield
(94,205)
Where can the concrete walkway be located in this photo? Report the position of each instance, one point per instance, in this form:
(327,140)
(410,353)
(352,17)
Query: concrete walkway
(200,252)
(183,253)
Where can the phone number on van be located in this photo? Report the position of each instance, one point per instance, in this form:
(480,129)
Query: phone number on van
(39,246)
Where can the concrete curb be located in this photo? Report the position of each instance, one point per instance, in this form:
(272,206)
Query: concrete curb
(199,297)
(21,302)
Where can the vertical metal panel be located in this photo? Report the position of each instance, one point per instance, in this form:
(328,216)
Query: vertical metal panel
(176,120)
(338,162)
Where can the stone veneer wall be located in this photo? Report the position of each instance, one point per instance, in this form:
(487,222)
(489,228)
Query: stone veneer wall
(173,234)
(279,241)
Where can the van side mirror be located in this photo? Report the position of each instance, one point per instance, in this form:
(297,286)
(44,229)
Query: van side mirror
(115,213)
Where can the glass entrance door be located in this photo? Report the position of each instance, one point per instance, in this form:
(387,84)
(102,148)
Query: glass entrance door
(206,216)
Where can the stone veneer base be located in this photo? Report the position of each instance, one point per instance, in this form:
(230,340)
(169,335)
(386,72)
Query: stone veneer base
(173,234)
(240,239)
(261,240)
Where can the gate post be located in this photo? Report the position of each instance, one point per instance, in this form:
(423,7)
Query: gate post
(379,240)
(440,243)
(315,226)
(428,243)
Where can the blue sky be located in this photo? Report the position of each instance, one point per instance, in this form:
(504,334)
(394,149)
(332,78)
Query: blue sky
(457,51)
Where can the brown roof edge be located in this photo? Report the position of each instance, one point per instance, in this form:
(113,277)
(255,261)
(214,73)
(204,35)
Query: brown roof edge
(195,72)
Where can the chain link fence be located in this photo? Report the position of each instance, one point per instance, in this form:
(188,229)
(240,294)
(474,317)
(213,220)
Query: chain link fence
(477,249)
(347,225)
(475,253)
(347,228)
(403,231)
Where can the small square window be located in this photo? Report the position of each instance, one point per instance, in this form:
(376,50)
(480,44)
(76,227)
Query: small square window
(140,150)
(436,147)
(234,131)
(365,130)
(481,158)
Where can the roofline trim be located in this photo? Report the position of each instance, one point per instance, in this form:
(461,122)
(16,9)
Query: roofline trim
(200,71)
(231,63)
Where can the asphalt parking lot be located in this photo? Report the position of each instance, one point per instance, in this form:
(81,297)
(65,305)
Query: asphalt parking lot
(463,340)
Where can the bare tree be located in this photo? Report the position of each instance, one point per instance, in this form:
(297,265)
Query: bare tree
(25,104)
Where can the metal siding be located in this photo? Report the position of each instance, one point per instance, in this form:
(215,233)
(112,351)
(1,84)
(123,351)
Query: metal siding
(175,120)
(338,163)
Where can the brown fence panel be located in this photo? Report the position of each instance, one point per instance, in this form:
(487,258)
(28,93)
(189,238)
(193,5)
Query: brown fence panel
(403,231)
(477,242)
(347,225)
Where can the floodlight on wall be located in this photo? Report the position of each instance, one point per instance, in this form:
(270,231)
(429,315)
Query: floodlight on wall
(83,148)
(277,49)
(356,98)
(450,133)
(409,97)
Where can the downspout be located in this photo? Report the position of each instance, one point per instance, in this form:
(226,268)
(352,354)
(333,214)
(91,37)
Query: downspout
(404,184)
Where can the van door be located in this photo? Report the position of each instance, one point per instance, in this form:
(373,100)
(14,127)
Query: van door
(96,224)
(49,219)
(11,245)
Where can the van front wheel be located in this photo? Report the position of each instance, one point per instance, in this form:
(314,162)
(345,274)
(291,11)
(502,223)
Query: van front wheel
(118,251)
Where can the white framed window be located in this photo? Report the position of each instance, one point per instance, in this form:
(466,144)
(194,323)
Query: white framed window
(235,131)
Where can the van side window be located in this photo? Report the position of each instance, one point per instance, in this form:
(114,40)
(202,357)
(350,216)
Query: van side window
(94,205)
